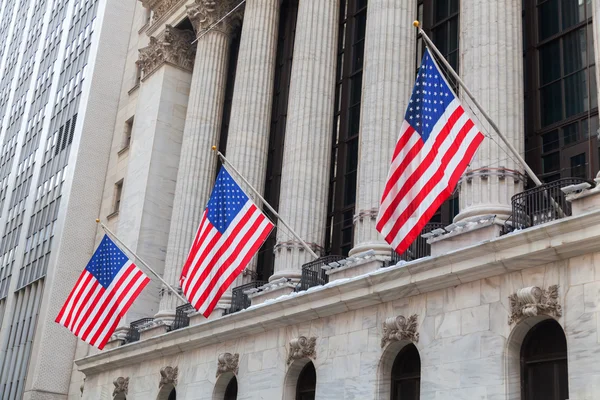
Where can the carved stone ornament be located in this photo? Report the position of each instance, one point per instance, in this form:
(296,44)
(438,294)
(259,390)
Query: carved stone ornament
(205,13)
(159,7)
(532,301)
(302,347)
(399,328)
(121,385)
(228,362)
(175,47)
(168,375)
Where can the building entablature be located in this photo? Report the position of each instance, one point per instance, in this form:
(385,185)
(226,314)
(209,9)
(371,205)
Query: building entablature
(520,250)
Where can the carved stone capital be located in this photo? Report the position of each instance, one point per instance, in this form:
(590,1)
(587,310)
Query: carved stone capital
(159,7)
(399,328)
(175,47)
(532,301)
(228,362)
(206,13)
(302,347)
(121,386)
(168,375)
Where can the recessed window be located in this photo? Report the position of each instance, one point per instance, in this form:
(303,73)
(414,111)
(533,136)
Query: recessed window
(117,198)
(127,133)
(578,166)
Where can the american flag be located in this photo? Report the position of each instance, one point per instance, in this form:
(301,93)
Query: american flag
(102,295)
(231,231)
(436,144)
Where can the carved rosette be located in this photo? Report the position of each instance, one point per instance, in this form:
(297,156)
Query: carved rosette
(228,362)
(532,301)
(175,47)
(168,375)
(205,13)
(399,328)
(302,347)
(159,7)
(121,386)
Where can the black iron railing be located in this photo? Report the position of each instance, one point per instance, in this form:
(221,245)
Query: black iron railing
(239,300)
(419,248)
(182,318)
(540,204)
(134,329)
(313,273)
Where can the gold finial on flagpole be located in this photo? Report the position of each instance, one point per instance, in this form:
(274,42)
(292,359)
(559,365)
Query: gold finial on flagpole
(416,24)
(214,148)
(97,220)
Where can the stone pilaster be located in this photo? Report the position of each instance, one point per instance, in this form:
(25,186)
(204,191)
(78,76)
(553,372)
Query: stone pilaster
(197,165)
(307,150)
(388,78)
(248,137)
(491,47)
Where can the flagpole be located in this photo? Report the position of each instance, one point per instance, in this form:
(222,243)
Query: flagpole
(108,231)
(512,149)
(226,161)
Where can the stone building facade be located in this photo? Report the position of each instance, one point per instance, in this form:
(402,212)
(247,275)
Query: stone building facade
(306,98)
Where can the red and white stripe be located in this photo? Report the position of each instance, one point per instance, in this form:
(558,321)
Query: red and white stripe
(92,312)
(423,174)
(216,259)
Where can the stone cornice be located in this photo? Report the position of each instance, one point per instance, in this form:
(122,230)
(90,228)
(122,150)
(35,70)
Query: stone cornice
(175,47)
(556,240)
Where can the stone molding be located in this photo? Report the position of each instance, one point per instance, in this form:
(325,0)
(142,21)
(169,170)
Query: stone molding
(302,347)
(205,13)
(228,362)
(366,214)
(295,244)
(168,375)
(400,328)
(159,7)
(532,301)
(121,386)
(175,48)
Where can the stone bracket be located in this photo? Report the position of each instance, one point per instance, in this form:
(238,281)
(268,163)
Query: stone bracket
(228,362)
(168,375)
(532,301)
(302,347)
(400,328)
(121,386)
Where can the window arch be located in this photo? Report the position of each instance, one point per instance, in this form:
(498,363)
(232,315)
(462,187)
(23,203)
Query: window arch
(307,382)
(406,374)
(231,390)
(544,372)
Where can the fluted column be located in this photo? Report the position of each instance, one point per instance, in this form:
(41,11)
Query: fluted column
(388,78)
(307,149)
(491,47)
(197,165)
(248,137)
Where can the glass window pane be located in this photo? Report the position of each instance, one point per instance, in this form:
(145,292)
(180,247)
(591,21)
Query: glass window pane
(571,133)
(453,35)
(550,141)
(440,39)
(576,100)
(441,9)
(361,26)
(578,166)
(453,6)
(593,88)
(590,47)
(573,12)
(358,59)
(551,103)
(549,62)
(356,89)
(548,19)
(551,162)
(574,51)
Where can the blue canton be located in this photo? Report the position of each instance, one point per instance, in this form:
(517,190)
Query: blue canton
(106,262)
(430,98)
(226,201)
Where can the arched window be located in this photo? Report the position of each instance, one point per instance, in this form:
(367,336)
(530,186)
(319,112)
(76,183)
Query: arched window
(544,363)
(307,381)
(406,374)
(231,391)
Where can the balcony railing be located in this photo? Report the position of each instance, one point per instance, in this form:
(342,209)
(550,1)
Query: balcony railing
(540,204)
(239,300)
(182,318)
(419,248)
(313,273)
(134,329)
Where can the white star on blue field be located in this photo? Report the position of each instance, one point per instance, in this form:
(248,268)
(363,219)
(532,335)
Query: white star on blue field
(106,262)
(226,201)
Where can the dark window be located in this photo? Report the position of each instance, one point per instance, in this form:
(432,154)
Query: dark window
(281,90)
(127,133)
(118,191)
(231,391)
(346,125)
(172,395)
(307,382)
(544,363)
(406,374)
(560,91)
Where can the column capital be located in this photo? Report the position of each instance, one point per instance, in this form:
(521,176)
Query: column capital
(159,7)
(205,13)
(174,47)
